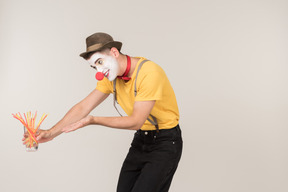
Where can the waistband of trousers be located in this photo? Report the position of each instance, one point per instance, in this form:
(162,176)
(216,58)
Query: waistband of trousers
(153,132)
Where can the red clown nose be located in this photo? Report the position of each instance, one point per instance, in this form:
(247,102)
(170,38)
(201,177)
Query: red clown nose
(99,76)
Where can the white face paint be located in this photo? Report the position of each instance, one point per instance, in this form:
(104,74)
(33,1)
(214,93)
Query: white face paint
(105,64)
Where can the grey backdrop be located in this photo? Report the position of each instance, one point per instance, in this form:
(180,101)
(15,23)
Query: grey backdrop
(227,62)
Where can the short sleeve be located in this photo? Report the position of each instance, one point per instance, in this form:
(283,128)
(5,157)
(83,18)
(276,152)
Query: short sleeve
(105,86)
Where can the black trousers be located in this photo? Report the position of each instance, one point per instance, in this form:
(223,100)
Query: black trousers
(151,161)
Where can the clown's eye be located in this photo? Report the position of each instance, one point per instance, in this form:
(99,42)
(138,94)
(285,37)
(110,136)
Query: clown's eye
(100,62)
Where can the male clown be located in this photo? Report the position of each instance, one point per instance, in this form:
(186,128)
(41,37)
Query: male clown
(157,145)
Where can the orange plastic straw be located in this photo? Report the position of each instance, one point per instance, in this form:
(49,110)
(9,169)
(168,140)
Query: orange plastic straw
(29,123)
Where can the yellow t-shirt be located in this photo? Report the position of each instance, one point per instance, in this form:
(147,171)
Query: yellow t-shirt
(152,84)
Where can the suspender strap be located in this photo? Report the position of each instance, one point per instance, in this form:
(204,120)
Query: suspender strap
(139,67)
(153,121)
(115,96)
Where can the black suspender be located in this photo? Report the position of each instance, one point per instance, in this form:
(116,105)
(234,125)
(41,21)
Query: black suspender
(153,121)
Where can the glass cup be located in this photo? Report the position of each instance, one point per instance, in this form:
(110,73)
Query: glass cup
(31,145)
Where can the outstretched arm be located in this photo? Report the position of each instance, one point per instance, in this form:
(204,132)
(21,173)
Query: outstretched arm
(141,111)
(76,113)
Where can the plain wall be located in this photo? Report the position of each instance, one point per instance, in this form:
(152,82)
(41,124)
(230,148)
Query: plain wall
(227,61)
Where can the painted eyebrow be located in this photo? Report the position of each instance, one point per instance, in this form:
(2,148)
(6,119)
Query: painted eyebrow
(97,60)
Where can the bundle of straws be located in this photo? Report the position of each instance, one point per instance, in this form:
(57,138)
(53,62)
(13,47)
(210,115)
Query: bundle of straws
(29,123)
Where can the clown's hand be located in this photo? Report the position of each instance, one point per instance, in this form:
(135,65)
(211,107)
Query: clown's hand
(79,124)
